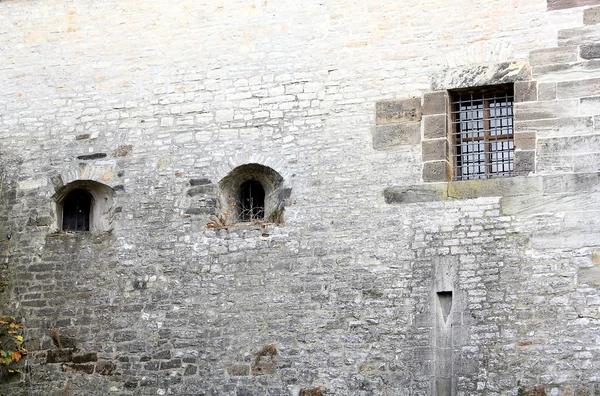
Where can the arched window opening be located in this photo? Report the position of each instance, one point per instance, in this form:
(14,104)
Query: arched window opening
(252,201)
(77,208)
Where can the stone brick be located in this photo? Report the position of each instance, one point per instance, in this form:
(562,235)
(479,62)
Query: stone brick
(436,171)
(59,355)
(435,103)
(78,368)
(386,136)
(482,75)
(498,187)
(525,91)
(591,16)
(398,111)
(434,150)
(525,141)
(546,91)
(524,162)
(562,4)
(237,370)
(590,105)
(549,56)
(550,109)
(416,193)
(435,126)
(85,357)
(578,88)
(589,51)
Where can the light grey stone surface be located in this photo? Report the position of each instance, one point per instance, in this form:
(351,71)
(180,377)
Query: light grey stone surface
(161,102)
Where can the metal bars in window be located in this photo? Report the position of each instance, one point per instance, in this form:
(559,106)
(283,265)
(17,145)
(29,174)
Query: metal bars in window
(482,133)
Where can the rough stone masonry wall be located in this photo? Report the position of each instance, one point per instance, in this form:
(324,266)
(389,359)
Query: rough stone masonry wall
(354,288)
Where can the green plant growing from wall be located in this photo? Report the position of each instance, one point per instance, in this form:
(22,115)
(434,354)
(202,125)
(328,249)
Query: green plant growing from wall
(11,343)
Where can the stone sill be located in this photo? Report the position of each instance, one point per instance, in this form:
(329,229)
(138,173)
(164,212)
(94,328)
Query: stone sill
(517,186)
(468,189)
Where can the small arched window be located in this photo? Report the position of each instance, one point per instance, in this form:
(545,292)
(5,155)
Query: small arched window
(252,201)
(77,209)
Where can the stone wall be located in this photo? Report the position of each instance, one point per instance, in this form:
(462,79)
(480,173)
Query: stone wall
(384,278)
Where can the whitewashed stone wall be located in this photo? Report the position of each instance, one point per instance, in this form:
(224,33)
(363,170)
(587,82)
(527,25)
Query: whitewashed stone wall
(161,101)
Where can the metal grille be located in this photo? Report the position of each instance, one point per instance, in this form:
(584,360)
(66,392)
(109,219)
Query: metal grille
(482,131)
(252,201)
(76,211)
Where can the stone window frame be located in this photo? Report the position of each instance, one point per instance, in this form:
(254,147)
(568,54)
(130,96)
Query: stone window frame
(436,143)
(100,208)
(229,191)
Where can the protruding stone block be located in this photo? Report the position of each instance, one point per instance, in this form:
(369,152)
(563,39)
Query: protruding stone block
(59,355)
(435,126)
(525,91)
(437,171)
(434,150)
(416,194)
(435,102)
(398,111)
(499,187)
(397,134)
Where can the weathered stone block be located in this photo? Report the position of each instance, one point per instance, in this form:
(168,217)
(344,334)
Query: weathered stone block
(386,136)
(548,56)
(434,149)
(85,357)
(524,162)
(78,368)
(171,364)
(416,194)
(525,91)
(562,4)
(59,355)
(264,368)
(556,127)
(591,16)
(238,370)
(578,88)
(435,126)
(204,189)
(481,75)
(499,187)
(199,182)
(541,110)
(437,171)
(435,103)
(163,355)
(525,141)
(589,51)
(398,111)
(590,106)
(546,91)
(571,182)
(569,145)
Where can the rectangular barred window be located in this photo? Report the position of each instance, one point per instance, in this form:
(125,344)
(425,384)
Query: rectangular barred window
(482,132)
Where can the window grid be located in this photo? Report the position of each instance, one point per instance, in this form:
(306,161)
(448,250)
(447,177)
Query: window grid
(482,132)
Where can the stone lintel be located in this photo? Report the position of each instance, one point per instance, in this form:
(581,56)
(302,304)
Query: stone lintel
(482,75)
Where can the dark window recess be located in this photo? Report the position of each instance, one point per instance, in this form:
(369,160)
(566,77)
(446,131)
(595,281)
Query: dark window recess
(252,201)
(76,211)
(482,132)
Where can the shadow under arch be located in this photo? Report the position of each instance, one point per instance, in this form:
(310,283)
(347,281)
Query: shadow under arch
(94,197)
(251,192)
